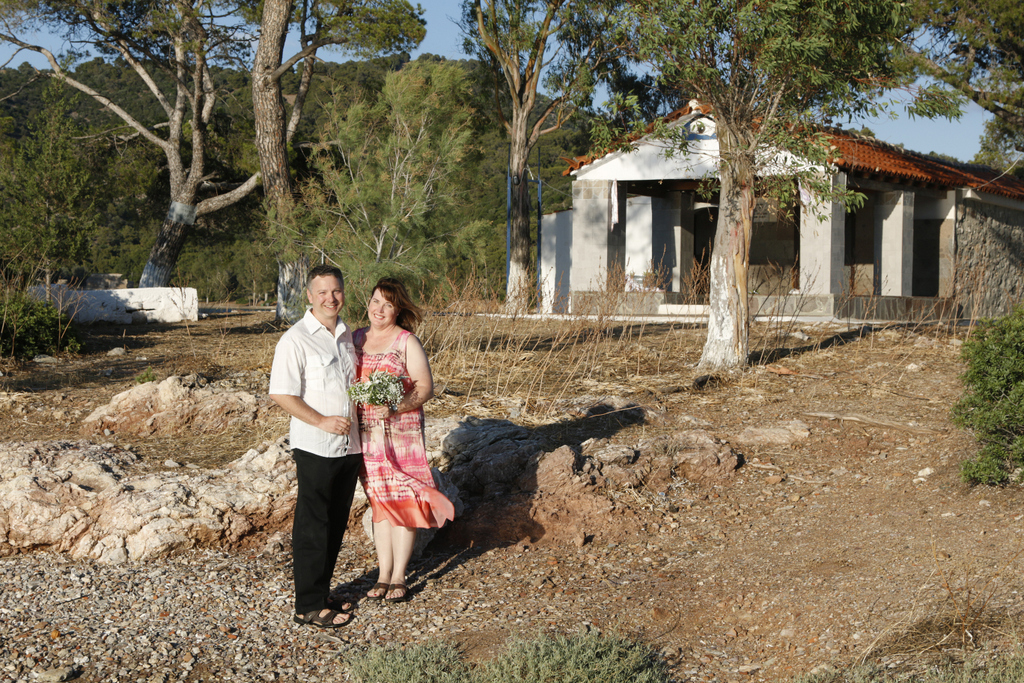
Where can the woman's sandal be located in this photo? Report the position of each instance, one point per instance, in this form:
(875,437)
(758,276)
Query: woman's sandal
(326,621)
(379,586)
(404,597)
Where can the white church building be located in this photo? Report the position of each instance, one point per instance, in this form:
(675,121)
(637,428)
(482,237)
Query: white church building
(933,238)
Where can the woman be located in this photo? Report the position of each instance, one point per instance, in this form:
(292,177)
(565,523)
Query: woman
(395,473)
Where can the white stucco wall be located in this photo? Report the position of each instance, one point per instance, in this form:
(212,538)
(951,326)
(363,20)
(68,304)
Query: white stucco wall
(124,306)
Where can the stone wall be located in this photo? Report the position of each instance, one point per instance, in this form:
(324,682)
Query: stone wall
(989,271)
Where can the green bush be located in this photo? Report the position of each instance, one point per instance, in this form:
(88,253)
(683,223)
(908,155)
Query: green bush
(588,658)
(428,663)
(146,375)
(993,401)
(29,327)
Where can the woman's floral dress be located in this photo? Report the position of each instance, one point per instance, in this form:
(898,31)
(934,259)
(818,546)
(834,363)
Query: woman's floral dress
(395,474)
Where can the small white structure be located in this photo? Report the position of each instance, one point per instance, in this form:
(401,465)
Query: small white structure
(124,306)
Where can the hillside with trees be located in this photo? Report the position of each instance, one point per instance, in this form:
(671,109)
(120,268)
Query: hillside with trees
(230,255)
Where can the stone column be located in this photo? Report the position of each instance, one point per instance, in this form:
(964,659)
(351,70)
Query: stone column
(947,246)
(556,261)
(599,233)
(894,243)
(823,245)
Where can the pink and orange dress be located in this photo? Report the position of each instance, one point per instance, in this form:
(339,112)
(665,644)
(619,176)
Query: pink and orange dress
(395,474)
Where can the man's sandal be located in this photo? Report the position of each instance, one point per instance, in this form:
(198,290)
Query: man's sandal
(379,586)
(404,597)
(338,605)
(326,621)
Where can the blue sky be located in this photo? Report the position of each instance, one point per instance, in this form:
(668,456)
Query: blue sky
(959,139)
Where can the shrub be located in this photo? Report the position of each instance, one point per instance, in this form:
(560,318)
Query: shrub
(428,663)
(145,376)
(993,400)
(29,327)
(586,658)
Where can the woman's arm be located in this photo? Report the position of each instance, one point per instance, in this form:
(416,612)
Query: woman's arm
(419,374)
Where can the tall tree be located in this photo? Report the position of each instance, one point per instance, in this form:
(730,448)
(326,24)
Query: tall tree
(366,26)
(768,70)
(975,47)
(388,171)
(564,46)
(171,46)
(44,189)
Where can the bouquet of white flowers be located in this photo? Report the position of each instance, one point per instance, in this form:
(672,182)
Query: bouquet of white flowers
(381,388)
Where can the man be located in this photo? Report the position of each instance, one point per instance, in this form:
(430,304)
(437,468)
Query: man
(314,364)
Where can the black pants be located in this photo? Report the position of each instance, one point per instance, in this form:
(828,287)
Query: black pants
(326,487)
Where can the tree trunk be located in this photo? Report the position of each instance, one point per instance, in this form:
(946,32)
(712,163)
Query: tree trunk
(169,241)
(268,105)
(728,312)
(517,289)
(291,283)
(272,145)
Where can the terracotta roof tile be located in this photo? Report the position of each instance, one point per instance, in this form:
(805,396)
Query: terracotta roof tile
(866,156)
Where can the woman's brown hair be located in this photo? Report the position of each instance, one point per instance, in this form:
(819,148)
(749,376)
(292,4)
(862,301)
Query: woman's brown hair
(409,314)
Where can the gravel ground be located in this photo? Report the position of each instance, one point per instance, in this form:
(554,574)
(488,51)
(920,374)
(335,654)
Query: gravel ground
(832,549)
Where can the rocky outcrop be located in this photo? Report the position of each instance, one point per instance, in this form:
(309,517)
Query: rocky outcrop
(488,456)
(80,498)
(561,496)
(176,403)
(90,501)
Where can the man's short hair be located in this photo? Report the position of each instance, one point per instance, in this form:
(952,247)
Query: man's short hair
(322,270)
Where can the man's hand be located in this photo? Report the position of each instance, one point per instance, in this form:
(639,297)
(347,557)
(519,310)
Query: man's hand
(334,424)
(296,407)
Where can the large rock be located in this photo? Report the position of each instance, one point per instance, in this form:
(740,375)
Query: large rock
(779,435)
(488,456)
(80,498)
(123,306)
(692,454)
(176,404)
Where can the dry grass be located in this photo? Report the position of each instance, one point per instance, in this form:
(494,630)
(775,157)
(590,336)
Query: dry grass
(964,604)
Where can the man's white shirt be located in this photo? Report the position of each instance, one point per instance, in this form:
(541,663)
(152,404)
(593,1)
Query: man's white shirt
(318,368)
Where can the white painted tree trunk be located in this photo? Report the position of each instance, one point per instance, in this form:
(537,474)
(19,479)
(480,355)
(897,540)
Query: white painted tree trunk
(291,285)
(729,310)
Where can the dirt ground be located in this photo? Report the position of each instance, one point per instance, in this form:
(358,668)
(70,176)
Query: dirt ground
(833,549)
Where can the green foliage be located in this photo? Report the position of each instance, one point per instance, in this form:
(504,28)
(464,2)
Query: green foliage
(1001,148)
(145,376)
(29,327)
(993,401)
(388,174)
(428,663)
(976,49)
(226,255)
(44,183)
(588,658)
